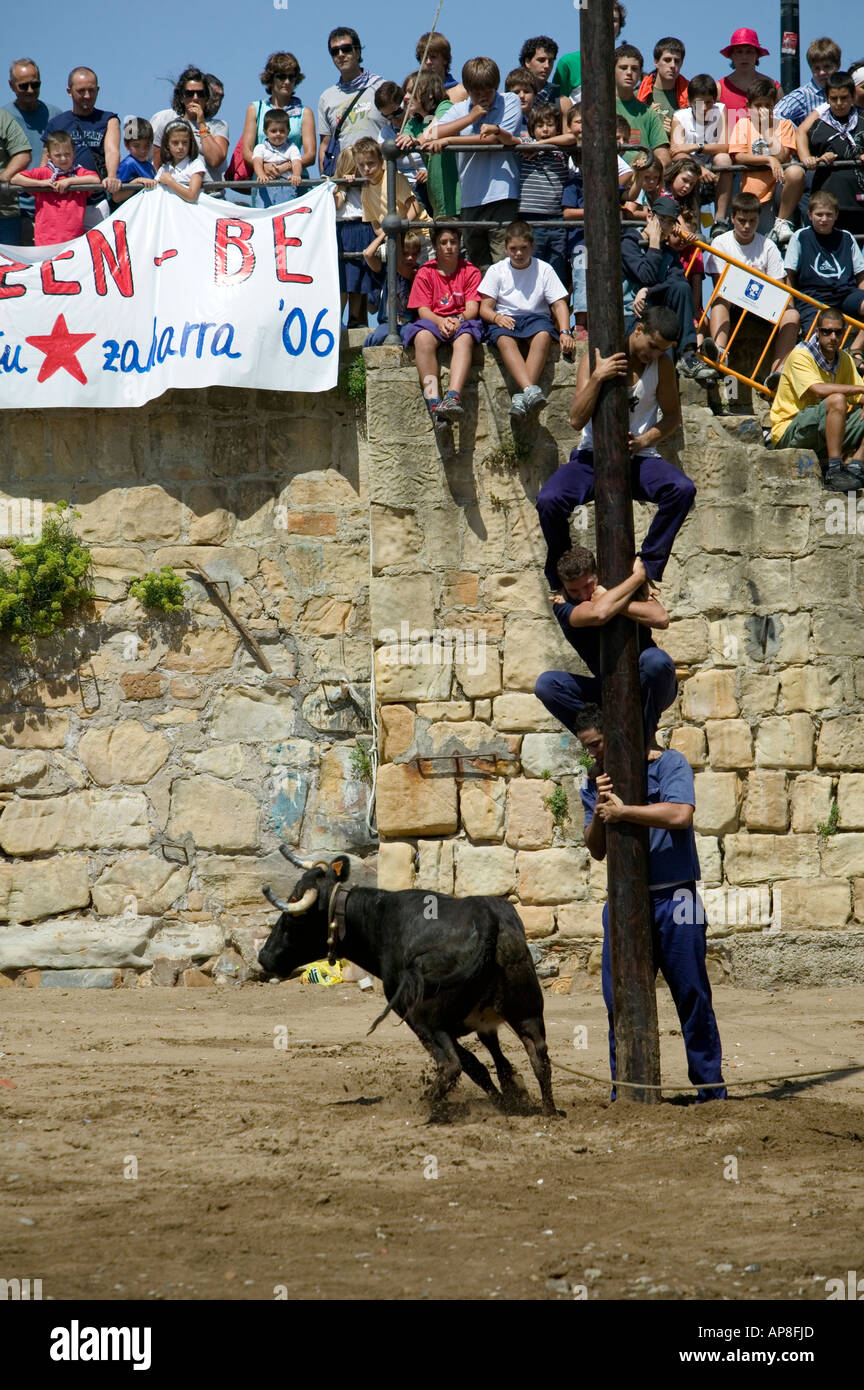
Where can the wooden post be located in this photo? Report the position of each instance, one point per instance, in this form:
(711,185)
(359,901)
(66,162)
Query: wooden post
(634,999)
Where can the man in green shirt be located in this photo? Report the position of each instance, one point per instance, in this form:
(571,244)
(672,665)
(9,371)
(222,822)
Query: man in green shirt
(646,124)
(568,74)
(14,157)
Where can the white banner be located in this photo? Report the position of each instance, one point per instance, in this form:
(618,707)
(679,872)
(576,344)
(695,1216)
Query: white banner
(168,294)
(741,288)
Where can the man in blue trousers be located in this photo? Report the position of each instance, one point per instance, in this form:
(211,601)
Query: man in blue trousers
(677,912)
(582,608)
(655,413)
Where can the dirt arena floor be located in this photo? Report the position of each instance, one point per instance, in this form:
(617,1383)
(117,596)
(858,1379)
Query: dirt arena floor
(309,1171)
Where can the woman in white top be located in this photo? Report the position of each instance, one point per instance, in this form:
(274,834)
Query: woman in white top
(179,170)
(519,299)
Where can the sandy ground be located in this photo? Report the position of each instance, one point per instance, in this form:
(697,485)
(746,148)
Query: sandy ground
(261,1169)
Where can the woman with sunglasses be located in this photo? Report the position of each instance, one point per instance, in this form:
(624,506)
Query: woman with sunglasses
(347,110)
(280,78)
(192,96)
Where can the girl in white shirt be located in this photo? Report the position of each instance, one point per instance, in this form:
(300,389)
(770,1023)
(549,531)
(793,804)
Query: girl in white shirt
(179,171)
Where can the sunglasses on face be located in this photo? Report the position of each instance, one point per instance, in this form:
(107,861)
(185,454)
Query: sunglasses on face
(28,86)
(830,332)
(193,92)
(341,48)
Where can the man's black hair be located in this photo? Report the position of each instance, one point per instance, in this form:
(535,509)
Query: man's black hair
(352,34)
(660,319)
(589,717)
(190,74)
(530,47)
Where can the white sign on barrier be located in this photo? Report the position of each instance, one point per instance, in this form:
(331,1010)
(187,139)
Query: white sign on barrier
(164,294)
(748,292)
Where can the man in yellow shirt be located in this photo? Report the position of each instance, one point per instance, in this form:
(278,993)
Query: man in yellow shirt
(818,405)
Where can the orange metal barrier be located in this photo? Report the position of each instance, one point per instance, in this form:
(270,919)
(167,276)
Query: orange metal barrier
(791,294)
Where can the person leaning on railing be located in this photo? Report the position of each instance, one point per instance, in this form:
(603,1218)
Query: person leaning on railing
(818,405)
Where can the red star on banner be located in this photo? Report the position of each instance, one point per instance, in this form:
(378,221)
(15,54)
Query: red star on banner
(61,348)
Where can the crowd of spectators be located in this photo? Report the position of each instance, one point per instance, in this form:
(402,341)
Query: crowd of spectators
(728,158)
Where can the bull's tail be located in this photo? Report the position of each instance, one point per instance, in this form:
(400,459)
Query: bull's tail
(411,988)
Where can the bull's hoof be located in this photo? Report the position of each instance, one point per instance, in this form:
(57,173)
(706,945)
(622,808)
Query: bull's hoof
(554,1114)
(518,1103)
(440,1117)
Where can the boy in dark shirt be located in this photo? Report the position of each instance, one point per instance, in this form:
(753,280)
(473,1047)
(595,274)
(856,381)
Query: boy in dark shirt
(826,263)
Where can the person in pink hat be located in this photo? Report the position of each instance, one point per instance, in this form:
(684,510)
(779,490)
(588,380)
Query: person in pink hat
(744,51)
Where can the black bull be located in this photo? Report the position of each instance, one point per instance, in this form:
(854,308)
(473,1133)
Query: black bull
(449,966)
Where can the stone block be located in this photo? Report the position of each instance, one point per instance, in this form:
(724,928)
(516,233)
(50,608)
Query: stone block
(532,645)
(809,688)
(142,685)
(483,710)
(850,801)
(553,875)
(770,582)
(841,743)
(396,537)
(858,899)
(340,800)
(77,943)
(842,855)
(784,530)
(410,804)
(325,617)
(216,814)
(820,905)
(402,604)
(35,729)
(235,883)
(811,802)
(557,754)
(709,695)
(459,589)
(450,711)
(42,889)
(484,869)
(690,740)
(763,858)
(537,921)
(515,713)
(481,677)
(397,681)
(249,714)
(730,743)
(728,529)
(204,650)
(183,688)
(124,752)
(757,694)
(708,850)
(717,797)
(766,806)
(140,884)
(481,805)
(518,591)
(785,741)
(194,940)
(81,820)
(529,820)
(324,489)
(836,634)
(397,730)
(686,641)
(436,865)
(395,865)
(81,979)
(579,919)
(222,760)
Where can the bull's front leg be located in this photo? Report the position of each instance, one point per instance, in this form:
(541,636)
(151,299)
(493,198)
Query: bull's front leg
(448,1069)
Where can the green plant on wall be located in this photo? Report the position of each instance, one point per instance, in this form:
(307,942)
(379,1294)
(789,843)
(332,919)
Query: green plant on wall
(49,583)
(361,764)
(507,456)
(828,827)
(559,806)
(160,591)
(352,381)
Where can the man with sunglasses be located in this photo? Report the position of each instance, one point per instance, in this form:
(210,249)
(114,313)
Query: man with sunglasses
(818,405)
(192,101)
(32,115)
(347,111)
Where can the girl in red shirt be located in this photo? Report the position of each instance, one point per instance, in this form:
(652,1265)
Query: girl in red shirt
(446,296)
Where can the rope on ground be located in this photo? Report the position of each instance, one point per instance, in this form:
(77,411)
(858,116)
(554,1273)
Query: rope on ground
(785,1078)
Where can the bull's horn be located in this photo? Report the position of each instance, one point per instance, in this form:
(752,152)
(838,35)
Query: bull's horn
(297,909)
(271,898)
(292,858)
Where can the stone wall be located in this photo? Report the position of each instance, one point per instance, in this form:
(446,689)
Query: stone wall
(148,770)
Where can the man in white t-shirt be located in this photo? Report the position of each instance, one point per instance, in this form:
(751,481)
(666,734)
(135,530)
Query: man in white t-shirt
(519,298)
(745,244)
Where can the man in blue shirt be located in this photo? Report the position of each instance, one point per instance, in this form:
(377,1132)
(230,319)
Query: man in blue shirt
(490,182)
(32,115)
(823,56)
(583,608)
(677,913)
(96,135)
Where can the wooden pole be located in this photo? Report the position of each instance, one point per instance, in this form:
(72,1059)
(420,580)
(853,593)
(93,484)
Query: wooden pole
(634,999)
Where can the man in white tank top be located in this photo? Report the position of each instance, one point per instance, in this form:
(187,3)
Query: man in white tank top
(653,393)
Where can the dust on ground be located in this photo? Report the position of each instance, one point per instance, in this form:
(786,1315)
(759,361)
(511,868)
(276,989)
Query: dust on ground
(309,1171)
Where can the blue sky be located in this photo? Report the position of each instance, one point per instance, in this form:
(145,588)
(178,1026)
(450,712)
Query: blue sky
(136,48)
